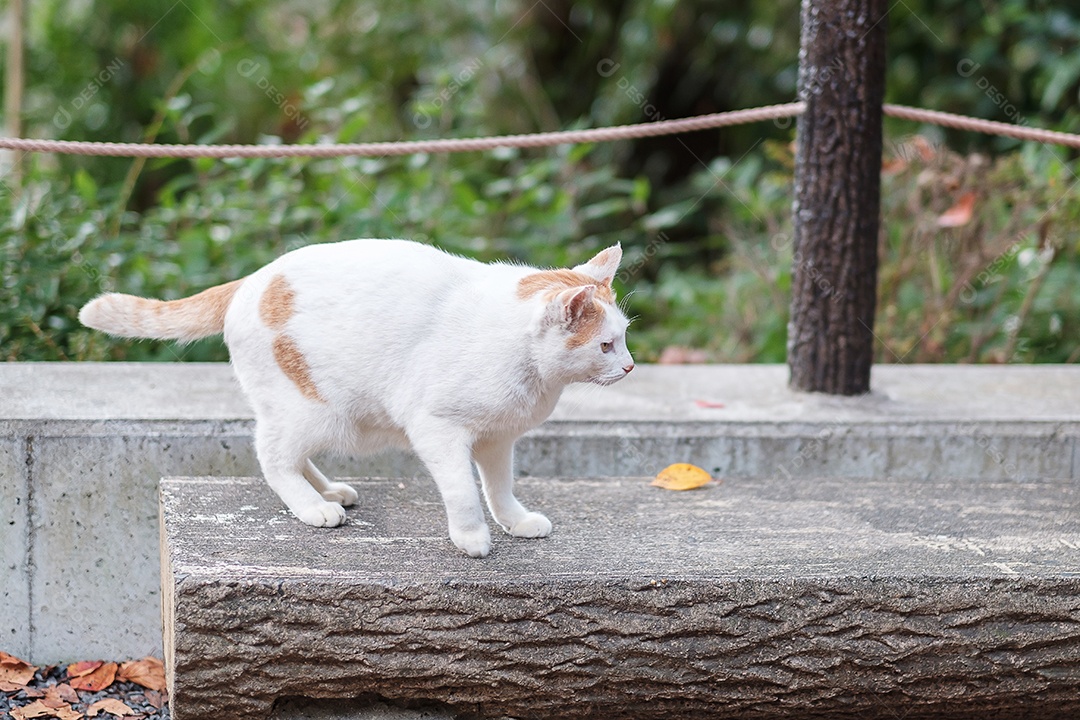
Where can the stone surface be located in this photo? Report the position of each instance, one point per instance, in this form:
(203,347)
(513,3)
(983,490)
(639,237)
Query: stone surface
(304,709)
(82,447)
(15,567)
(752,598)
(750,393)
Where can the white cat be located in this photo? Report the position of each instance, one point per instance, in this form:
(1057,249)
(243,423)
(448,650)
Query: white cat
(360,345)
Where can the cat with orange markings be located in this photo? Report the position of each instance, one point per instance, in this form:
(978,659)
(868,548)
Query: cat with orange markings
(361,345)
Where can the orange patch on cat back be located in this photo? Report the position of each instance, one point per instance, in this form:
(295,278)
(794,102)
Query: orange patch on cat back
(295,366)
(553,282)
(276,304)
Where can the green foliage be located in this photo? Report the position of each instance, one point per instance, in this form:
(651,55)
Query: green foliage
(230,218)
(704,218)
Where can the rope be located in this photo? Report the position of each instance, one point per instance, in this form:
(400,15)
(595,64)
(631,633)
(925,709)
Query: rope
(990,127)
(383,149)
(565,137)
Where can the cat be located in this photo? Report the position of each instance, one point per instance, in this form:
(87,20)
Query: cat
(365,344)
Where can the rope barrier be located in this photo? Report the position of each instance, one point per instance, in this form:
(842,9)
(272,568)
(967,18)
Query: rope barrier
(565,137)
(383,149)
(990,127)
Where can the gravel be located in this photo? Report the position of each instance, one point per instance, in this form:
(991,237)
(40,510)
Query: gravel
(147,704)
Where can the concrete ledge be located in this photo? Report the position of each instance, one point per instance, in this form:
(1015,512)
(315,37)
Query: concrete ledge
(749,599)
(82,447)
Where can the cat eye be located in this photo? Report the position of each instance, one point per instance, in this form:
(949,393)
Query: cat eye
(607,347)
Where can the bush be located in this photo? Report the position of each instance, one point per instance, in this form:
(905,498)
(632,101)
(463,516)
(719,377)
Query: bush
(704,218)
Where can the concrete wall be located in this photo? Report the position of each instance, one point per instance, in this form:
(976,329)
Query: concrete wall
(82,447)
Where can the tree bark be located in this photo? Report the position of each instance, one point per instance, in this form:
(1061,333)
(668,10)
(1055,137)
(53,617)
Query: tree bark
(13,94)
(837,186)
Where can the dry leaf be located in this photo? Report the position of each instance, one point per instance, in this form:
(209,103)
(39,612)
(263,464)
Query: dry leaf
(38,709)
(111,706)
(98,679)
(15,671)
(148,672)
(960,213)
(893,165)
(709,404)
(926,150)
(35,709)
(59,695)
(83,668)
(155,698)
(681,476)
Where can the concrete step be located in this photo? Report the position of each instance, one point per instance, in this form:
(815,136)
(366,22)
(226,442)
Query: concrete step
(752,598)
(83,446)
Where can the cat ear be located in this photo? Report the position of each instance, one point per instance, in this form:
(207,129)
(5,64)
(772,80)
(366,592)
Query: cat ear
(579,302)
(570,306)
(603,267)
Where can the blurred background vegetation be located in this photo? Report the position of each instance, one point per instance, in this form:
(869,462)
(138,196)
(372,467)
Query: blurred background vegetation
(979,244)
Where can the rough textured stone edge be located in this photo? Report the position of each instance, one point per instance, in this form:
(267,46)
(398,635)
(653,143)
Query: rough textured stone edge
(634,647)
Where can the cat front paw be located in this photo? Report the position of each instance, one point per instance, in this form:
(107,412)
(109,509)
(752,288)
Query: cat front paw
(325,514)
(531,525)
(339,492)
(474,543)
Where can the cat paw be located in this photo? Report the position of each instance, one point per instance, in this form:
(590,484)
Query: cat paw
(327,514)
(474,543)
(532,525)
(338,492)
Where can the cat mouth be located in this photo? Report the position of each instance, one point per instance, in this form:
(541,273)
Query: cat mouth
(609,380)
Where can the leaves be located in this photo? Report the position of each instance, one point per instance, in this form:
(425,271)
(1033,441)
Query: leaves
(40,709)
(83,667)
(14,672)
(960,213)
(891,166)
(54,691)
(111,706)
(92,678)
(156,699)
(148,672)
(60,695)
(681,476)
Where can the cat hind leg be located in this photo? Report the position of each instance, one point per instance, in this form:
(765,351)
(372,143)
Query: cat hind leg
(331,491)
(283,467)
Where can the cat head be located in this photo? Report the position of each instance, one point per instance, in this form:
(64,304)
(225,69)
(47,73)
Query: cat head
(581,331)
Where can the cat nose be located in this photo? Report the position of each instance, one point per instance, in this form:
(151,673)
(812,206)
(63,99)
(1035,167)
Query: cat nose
(628,368)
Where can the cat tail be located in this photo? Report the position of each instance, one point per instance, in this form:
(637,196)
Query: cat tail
(188,319)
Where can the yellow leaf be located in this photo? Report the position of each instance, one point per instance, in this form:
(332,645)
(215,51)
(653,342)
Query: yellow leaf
(681,476)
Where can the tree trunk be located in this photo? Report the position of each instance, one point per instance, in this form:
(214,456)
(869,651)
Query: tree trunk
(11,169)
(837,185)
